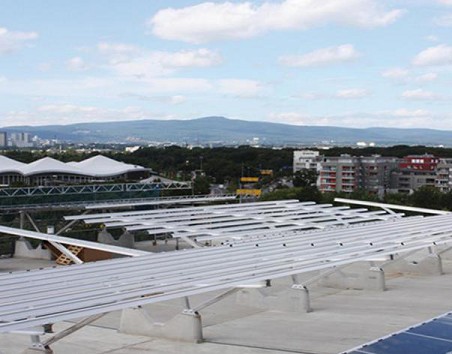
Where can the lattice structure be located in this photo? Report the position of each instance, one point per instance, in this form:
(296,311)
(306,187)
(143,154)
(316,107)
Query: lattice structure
(64,259)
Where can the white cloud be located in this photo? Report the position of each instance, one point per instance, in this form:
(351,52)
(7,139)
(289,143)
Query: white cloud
(403,112)
(324,56)
(352,93)
(69,113)
(400,118)
(297,118)
(178,99)
(11,41)
(426,77)
(105,87)
(421,95)
(240,87)
(445,2)
(174,100)
(117,48)
(395,73)
(444,21)
(210,21)
(76,64)
(404,76)
(439,55)
(170,85)
(67,109)
(312,96)
(432,38)
(150,64)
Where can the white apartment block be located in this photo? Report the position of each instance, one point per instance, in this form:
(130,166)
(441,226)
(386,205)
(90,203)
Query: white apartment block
(306,160)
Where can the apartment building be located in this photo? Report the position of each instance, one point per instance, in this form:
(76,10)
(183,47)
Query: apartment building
(444,175)
(306,160)
(416,171)
(347,173)
(376,174)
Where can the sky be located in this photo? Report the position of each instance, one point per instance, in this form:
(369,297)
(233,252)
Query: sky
(348,63)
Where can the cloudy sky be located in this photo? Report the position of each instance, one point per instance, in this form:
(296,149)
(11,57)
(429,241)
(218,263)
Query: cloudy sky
(352,63)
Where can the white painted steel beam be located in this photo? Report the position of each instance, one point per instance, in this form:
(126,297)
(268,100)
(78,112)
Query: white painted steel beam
(392,206)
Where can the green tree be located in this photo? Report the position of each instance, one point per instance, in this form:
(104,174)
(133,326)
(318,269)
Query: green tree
(305,178)
(427,197)
(201,185)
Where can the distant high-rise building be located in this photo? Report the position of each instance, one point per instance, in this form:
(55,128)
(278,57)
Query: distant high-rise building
(3,139)
(21,140)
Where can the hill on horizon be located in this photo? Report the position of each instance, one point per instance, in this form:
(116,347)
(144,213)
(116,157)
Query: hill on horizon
(230,131)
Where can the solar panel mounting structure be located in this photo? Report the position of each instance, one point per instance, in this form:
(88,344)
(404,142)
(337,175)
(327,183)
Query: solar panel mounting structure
(222,223)
(33,298)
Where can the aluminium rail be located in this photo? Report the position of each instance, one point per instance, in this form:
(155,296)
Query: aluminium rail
(52,295)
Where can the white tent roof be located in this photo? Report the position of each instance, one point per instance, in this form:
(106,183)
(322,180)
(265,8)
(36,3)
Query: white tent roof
(49,165)
(97,166)
(10,165)
(103,166)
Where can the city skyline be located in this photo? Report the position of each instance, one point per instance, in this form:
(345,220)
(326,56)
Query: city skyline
(349,63)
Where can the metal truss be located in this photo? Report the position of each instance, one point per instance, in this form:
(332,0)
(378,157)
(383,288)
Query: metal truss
(89,189)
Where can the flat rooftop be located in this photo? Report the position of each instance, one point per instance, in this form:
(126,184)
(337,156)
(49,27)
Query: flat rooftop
(341,319)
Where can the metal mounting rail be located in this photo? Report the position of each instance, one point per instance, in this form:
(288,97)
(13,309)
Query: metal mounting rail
(234,221)
(36,298)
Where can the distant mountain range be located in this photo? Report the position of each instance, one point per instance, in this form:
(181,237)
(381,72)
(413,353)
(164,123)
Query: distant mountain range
(230,131)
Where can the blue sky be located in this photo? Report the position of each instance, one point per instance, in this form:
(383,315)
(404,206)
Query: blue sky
(352,63)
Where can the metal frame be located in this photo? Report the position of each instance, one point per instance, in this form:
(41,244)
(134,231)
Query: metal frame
(233,222)
(389,207)
(89,189)
(34,298)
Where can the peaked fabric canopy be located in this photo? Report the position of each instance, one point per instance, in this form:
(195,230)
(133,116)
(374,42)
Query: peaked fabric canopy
(97,166)
(10,165)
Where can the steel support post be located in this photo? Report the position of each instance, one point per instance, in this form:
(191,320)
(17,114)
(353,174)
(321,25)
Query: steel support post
(67,226)
(72,329)
(304,293)
(32,222)
(37,346)
(21,220)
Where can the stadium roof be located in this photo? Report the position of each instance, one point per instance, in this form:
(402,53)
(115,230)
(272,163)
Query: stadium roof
(10,165)
(97,166)
(103,166)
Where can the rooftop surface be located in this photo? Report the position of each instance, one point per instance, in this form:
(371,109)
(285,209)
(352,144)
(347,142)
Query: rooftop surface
(341,319)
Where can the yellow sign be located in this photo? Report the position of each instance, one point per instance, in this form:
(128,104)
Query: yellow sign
(254,192)
(249,179)
(266,172)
